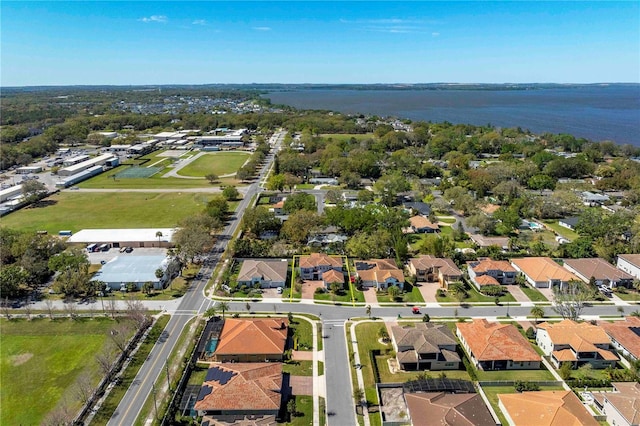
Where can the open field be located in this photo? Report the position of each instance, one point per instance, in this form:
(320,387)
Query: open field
(219,163)
(348,136)
(561,230)
(76,211)
(41,360)
(106,180)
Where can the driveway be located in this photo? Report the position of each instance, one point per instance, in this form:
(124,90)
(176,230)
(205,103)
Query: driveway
(370,297)
(517,293)
(301,385)
(428,291)
(309,288)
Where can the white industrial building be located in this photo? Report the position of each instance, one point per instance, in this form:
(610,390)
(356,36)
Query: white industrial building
(139,237)
(75,160)
(105,159)
(28,169)
(129,268)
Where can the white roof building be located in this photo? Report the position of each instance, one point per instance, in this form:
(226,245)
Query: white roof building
(140,237)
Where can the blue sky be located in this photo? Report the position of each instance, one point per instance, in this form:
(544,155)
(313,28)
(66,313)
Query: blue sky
(157,42)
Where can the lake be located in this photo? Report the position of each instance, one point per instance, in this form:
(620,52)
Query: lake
(604,112)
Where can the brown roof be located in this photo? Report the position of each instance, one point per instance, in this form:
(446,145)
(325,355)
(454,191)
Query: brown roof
(333,276)
(320,259)
(241,386)
(252,336)
(626,332)
(487,265)
(378,270)
(422,222)
(634,259)
(492,341)
(626,400)
(598,268)
(543,269)
(578,335)
(546,408)
(486,280)
(444,265)
(483,241)
(424,337)
(439,408)
(272,270)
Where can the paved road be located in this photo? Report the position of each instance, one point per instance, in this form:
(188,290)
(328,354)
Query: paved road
(192,303)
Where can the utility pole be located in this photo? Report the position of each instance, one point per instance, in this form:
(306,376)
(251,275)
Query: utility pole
(155,401)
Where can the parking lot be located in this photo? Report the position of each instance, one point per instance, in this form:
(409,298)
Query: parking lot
(105,256)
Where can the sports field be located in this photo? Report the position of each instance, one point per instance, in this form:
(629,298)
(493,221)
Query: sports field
(219,163)
(76,210)
(40,362)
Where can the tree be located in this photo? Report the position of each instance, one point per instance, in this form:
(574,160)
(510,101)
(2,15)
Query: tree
(299,201)
(368,311)
(275,182)
(159,235)
(212,178)
(192,239)
(299,225)
(537,312)
(565,370)
(105,360)
(248,307)
(230,193)
(33,190)
(291,407)
(358,395)
(224,307)
(258,220)
(50,307)
(541,182)
(244,174)
(335,287)
(211,312)
(388,187)
(11,278)
(570,300)
(147,287)
(393,292)
(83,387)
(137,312)
(218,207)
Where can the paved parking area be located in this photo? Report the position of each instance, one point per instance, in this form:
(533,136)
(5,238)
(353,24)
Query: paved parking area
(100,256)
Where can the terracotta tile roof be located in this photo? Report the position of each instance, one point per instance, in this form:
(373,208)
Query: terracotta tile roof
(320,259)
(378,270)
(333,276)
(241,386)
(272,270)
(486,280)
(626,332)
(626,400)
(546,408)
(252,336)
(487,265)
(569,332)
(598,268)
(439,408)
(422,222)
(444,265)
(494,341)
(634,259)
(564,355)
(543,269)
(279,204)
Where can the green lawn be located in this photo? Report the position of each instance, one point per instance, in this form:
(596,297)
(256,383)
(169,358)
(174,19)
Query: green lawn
(108,181)
(367,338)
(304,409)
(76,211)
(534,294)
(341,297)
(630,295)
(541,375)
(446,219)
(474,296)
(561,230)
(219,163)
(40,362)
(410,295)
(302,331)
(298,368)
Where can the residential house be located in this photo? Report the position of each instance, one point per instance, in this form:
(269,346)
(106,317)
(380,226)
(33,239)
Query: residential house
(252,340)
(543,272)
(332,277)
(267,273)
(495,346)
(442,408)
(569,222)
(327,236)
(418,207)
(629,263)
(379,273)
(483,242)
(491,272)
(422,225)
(425,346)
(278,208)
(625,336)
(545,408)
(622,406)
(577,343)
(592,199)
(241,392)
(602,271)
(314,265)
(431,269)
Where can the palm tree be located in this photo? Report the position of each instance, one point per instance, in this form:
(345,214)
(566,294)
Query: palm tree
(224,307)
(159,235)
(537,312)
(368,311)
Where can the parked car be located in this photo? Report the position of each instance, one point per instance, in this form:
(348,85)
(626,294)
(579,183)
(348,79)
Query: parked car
(128,250)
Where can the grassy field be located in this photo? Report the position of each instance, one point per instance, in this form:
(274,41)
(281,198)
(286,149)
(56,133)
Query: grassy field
(561,230)
(348,136)
(41,360)
(342,297)
(475,296)
(219,163)
(534,294)
(76,211)
(303,333)
(298,368)
(304,411)
(107,180)
(411,295)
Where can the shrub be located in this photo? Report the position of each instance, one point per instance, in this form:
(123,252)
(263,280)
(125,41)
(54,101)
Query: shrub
(531,333)
(319,290)
(565,370)
(526,386)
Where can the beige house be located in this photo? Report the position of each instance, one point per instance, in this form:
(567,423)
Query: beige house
(425,346)
(622,406)
(545,408)
(314,265)
(428,268)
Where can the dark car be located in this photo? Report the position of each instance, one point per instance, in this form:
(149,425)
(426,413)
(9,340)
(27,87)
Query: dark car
(128,249)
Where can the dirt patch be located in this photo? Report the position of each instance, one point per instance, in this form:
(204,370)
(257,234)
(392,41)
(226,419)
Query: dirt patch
(17,360)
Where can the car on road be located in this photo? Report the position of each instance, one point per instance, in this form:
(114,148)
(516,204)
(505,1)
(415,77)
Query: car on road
(128,250)
(415,310)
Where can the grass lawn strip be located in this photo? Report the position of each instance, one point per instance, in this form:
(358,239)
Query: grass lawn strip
(40,362)
(304,411)
(298,368)
(76,211)
(115,396)
(533,294)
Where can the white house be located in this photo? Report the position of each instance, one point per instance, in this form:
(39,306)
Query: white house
(629,263)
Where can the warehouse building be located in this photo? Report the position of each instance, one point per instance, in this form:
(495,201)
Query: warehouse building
(108,160)
(141,237)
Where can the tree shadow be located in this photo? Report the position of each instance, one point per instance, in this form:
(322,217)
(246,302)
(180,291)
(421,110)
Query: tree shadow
(43,203)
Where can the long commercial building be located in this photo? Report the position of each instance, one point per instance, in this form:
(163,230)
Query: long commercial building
(79,177)
(105,159)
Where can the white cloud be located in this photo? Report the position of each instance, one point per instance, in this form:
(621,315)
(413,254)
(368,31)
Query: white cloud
(154,18)
(199,22)
(262,28)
